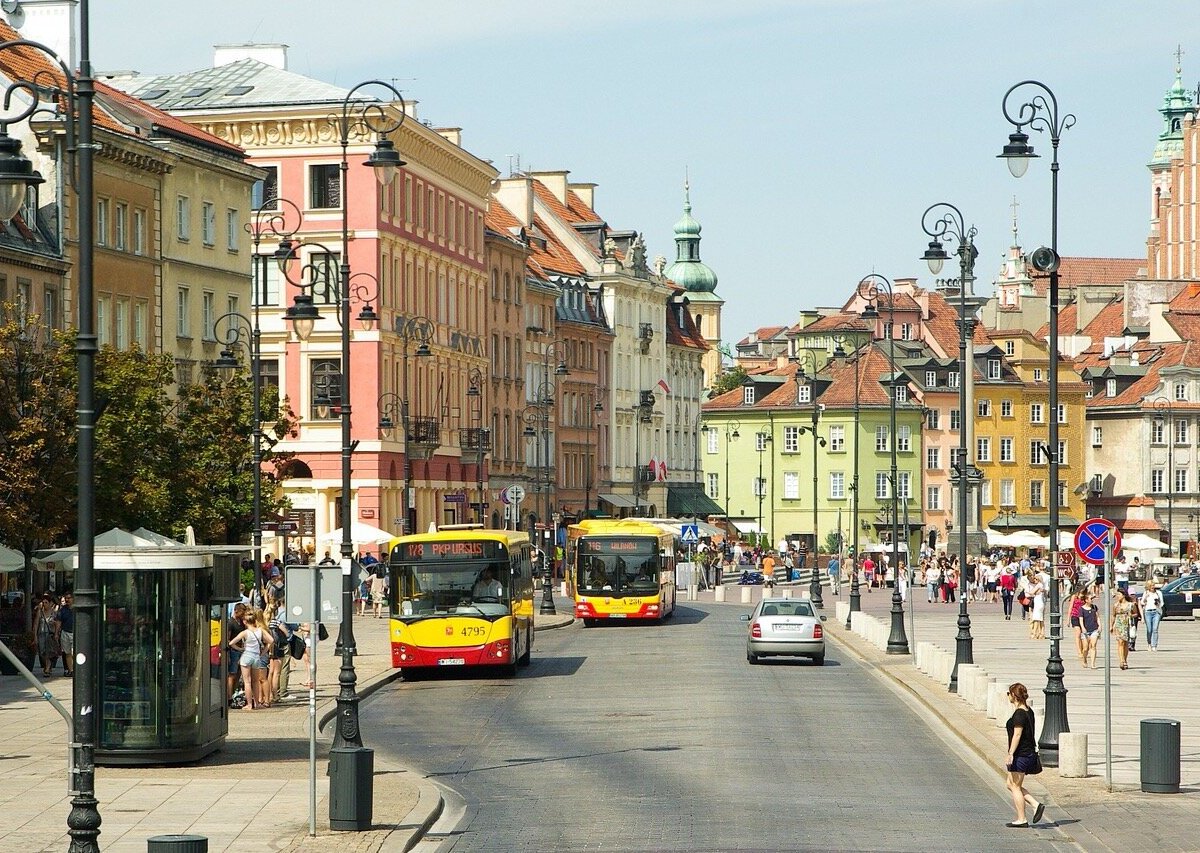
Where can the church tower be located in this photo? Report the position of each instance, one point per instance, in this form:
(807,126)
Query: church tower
(1177,109)
(700,282)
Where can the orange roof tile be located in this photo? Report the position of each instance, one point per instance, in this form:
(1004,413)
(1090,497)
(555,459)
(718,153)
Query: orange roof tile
(841,321)
(581,211)
(1077,272)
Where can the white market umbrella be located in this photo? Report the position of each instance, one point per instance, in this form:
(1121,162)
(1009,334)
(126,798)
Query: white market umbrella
(1142,542)
(360,534)
(10,560)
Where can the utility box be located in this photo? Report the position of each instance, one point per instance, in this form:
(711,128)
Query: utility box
(351,788)
(1160,756)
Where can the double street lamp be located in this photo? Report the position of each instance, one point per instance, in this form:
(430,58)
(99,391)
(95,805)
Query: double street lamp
(945,220)
(74,95)
(420,434)
(1039,110)
(809,356)
(350,762)
(592,456)
(762,441)
(1164,416)
(869,288)
(855,593)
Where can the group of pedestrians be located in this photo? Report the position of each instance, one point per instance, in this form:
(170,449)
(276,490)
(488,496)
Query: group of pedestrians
(54,631)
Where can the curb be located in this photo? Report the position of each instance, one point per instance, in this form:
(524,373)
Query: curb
(415,825)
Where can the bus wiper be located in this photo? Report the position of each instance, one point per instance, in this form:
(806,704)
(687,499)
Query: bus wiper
(473,607)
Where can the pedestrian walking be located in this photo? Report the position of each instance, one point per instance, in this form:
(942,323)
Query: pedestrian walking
(1022,758)
(1073,604)
(835,574)
(868,568)
(933,580)
(66,633)
(1036,593)
(1008,590)
(1152,602)
(1119,626)
(46,628)
(1089,618)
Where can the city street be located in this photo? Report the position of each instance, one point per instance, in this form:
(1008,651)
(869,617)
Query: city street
(664,738)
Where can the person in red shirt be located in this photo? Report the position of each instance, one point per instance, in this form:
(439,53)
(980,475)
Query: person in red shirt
(868,567)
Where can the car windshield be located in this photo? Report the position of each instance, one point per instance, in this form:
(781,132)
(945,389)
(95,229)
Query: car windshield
(476,587)
(625,567)
(786,607)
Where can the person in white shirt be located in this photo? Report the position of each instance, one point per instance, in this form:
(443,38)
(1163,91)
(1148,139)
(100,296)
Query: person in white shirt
(1152,607)
(487,586)
(1121,573)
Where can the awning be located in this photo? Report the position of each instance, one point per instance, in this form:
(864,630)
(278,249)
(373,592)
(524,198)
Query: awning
(691,500)
(747,526)
(619,500)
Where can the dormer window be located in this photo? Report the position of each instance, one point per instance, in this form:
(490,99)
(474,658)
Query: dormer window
(993,368)
(930,378)
(1110,388)
(748,395)
(1180,391)
(901,393)
(804,393)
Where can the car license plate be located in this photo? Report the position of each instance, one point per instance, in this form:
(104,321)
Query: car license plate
(788,626)
(452,662)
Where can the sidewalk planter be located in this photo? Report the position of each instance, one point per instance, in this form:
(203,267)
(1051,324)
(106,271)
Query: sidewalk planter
(1073,755)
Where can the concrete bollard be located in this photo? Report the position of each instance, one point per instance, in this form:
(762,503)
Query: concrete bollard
(965,672)
(977,688)
(786,592)
(882,630)
(745,595)
(923,655)
(984,686)
(997,702)
(841,609)
(945,667)
(691,592)
(562,589)
(719,592)
(1072,755)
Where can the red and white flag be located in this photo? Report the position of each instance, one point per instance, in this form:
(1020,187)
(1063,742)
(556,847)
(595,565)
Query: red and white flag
(662,383)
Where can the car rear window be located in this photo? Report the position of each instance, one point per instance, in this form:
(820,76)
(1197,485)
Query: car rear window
(787,608)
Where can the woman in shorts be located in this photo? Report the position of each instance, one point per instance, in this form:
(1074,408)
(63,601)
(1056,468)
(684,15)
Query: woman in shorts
(1022,757)
(1073,605)
(252,643)
(1089,619)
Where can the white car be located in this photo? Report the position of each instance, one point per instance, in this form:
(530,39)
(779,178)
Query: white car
(785,626)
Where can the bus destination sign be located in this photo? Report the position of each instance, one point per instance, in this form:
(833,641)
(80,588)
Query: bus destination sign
(466,550)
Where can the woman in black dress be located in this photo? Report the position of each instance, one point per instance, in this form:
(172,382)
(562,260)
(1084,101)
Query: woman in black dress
(1022,756)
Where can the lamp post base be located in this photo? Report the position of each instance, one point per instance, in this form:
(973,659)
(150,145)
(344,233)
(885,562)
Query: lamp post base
(547,608)
(1054,721)
(897,643)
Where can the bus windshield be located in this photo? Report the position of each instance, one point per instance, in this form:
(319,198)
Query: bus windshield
(618,566)
(477,587)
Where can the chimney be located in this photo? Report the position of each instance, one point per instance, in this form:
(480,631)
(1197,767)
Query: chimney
(268,54)
(556,182)
(51,22)
(587,192)
(516,194)
(453,135)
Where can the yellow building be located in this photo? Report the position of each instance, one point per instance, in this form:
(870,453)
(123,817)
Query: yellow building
(1012,428)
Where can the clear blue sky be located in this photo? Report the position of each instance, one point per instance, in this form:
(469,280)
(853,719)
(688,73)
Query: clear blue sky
(815,131)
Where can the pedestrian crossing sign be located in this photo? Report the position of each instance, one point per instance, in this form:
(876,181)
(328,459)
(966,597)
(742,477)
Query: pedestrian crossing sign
(690,534)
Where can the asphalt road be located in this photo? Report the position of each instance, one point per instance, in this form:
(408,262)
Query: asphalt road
(662,737)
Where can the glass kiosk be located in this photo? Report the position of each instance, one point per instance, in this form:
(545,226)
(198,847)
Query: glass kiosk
(162,663)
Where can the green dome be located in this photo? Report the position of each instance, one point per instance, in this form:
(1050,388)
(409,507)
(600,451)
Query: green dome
(688,271)
(1177,106)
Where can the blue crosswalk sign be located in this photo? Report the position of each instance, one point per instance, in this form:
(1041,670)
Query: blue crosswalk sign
(690,533)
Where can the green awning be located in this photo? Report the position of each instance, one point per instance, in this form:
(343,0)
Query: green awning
(691,500)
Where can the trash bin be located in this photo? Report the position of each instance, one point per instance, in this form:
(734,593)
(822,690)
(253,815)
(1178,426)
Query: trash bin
(177,844)
(1160,756)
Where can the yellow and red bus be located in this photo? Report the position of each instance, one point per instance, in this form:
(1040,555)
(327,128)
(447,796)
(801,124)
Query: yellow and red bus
(620,569)
(461,596)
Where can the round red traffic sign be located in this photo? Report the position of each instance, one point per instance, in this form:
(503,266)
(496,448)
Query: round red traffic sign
(1091,538)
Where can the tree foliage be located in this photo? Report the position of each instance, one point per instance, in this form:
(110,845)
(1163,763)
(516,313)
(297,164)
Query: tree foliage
(727,380)
(163,461)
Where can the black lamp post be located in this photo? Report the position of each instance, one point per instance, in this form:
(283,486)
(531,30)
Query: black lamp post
(869,289)
(73,95)
(1163,407)
(478,437)
(1041,113)
(814,586)
(537,429)
(420,434)
(592,458)
(941,220)
(731,434)
(855,592)
(350,762)
(762,441)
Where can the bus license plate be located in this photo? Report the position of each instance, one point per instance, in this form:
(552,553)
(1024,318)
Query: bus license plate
(452,662)
(617,615)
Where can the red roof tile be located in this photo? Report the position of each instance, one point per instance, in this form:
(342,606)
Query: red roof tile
(1077,272)
(158,118)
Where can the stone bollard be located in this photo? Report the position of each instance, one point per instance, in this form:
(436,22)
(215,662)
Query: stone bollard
(984,687)
(856,622)
(882,630)
(1072,755)
(922,659)
(719,592)
(945,667)
(745,595)
(977,688)
(691,592)
(786,592)
(997,701)
(841,609)
(965,672)
(562,589)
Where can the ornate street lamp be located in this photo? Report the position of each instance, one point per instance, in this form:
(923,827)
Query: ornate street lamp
(478,437)
(1040,112)
(869,289)
(762,441)
(1164,409)
(945,220)
(593,462)
(855,591)
(350,762)
(810,357)
(73,95)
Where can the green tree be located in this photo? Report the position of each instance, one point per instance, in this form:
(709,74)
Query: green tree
(37,434)
(727,380)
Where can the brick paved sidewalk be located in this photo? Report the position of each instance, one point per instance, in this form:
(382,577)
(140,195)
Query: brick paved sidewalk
(251,795)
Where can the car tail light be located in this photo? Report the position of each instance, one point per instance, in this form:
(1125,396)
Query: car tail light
(818,631)
(756,631)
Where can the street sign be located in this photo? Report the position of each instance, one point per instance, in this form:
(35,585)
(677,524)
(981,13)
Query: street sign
(516,493)
(690,534)
(1091,537)
(1066,558)
(454,498)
